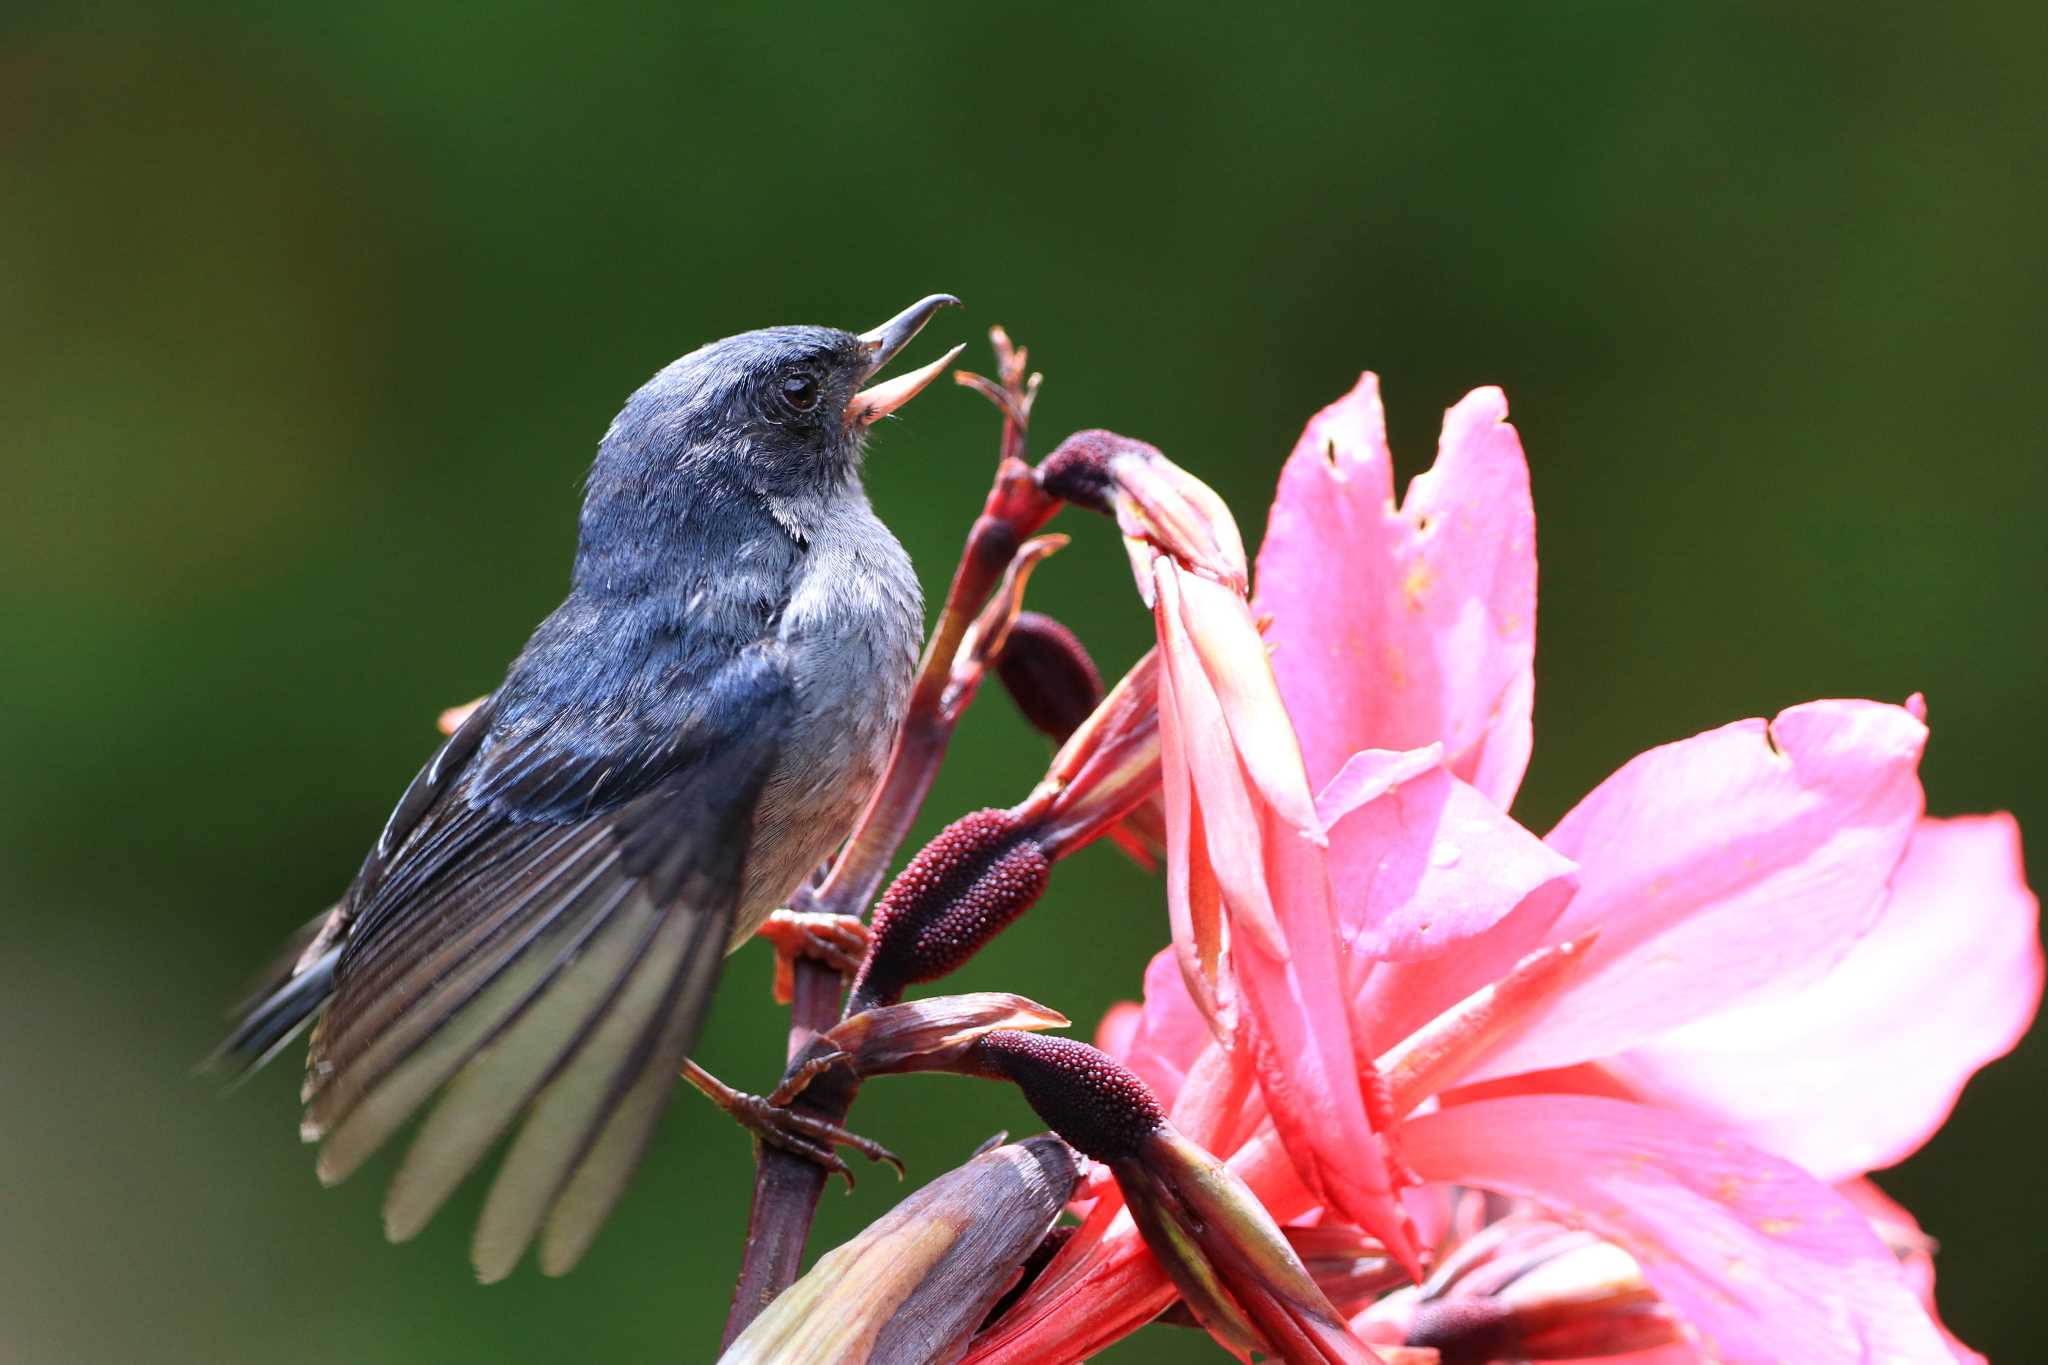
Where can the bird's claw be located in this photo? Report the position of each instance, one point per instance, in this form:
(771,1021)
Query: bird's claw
(800,1076)
(806,1136)
(837,941)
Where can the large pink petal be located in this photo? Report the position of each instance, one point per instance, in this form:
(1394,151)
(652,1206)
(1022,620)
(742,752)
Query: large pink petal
(1857,1070)
(1739,862)
(1763,1262)
(1399,628)
(1420,862)
(1397,998)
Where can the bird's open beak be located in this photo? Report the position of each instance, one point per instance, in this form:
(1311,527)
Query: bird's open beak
(873,404)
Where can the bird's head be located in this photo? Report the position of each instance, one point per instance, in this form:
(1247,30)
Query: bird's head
(782,411)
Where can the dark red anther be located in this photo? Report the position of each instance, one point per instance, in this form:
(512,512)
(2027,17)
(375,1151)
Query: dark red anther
(1086,1096)
(981,872)
(1078,470)
(1048,674)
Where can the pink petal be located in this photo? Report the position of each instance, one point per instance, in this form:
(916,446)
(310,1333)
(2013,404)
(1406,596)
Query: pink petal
(1233,656)
(1764,1263)
(1896,1226)
(1226,800)
(1118,1030)
(1398,998)
(1282,934)
(1307,1063)
(1741,861)
(1168,1032)
(1856,1071)
(1419,861)
(1194,905)
(1397,629)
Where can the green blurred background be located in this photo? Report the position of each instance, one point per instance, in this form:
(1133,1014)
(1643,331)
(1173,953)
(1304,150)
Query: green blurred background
(310,318)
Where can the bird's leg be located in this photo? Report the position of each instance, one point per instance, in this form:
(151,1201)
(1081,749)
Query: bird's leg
(800,1134)
(837,941)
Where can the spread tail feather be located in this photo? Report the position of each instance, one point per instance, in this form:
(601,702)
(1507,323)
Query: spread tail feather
(282,1006)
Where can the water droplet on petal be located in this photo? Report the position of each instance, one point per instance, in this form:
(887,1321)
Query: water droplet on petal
(1445,854)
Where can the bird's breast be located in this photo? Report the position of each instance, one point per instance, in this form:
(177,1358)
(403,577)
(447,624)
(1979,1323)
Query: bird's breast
(853,630)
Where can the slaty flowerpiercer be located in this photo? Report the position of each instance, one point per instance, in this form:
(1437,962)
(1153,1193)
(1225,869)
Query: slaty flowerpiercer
(536,934)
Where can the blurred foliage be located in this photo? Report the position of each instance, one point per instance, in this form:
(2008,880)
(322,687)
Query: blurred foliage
(313,315)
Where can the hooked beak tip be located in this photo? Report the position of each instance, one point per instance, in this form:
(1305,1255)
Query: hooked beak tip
(885,341)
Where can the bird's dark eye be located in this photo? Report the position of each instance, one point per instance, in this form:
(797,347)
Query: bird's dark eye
(801,390)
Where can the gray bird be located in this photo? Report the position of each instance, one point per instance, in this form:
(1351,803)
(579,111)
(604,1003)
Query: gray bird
(538,931)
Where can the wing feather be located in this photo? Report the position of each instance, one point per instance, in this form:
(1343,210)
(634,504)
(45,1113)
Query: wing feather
(535,940)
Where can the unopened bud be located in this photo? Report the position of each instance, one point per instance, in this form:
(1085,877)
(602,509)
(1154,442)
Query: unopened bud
(913,1287)
(1048,674)
(1159,507)
(1086,1096)
(981,872)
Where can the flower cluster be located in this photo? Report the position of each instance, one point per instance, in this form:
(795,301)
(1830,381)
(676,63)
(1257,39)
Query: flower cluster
(1411,1081)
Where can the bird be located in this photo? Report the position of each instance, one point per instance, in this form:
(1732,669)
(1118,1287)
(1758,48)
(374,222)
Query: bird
(533,939)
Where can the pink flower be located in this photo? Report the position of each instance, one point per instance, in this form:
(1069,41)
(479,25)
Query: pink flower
(1724,982)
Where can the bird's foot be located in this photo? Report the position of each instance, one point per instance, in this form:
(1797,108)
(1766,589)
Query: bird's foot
(797,1133)
(838,941)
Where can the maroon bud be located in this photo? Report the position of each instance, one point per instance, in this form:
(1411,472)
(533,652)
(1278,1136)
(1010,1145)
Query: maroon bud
(1086,1096)
(1048,674)
(980,873)
(1078,470)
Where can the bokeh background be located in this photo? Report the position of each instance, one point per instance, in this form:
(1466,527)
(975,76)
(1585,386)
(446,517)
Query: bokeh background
(311,315)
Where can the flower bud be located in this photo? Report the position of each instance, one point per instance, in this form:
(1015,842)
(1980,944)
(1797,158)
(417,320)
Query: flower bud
(981,872)
(1048,674)
(913,1287)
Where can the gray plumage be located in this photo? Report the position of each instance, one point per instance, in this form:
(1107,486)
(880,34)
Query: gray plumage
(538,931)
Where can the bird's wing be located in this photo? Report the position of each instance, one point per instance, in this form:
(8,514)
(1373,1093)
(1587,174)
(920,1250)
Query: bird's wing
(539,931)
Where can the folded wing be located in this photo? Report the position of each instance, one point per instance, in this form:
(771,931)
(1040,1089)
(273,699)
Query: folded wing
(535,940)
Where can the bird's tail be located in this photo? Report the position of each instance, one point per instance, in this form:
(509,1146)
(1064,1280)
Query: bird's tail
(286,998)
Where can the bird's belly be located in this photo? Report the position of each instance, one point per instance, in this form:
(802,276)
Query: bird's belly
(807,809)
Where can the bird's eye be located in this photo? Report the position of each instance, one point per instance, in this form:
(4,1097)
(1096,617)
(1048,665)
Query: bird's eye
(801,390)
